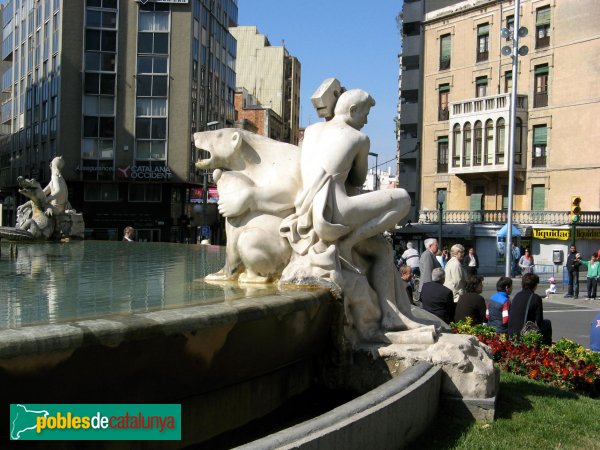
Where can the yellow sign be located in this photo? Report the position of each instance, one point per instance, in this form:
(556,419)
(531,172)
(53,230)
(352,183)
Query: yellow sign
(544,233)
(565,235)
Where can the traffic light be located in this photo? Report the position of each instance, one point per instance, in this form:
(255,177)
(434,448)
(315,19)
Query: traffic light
(575,208)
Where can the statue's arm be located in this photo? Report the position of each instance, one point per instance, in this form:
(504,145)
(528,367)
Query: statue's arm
(360,166)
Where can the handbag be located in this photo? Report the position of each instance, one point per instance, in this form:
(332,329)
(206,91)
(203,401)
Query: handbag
(529,326)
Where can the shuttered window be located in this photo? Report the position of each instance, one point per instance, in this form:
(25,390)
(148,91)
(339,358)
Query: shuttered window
(538,197)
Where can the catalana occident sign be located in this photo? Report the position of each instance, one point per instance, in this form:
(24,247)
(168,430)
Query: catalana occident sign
(144,173)
(565,235)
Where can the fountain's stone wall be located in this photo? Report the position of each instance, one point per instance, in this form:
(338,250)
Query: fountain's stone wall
(226,363)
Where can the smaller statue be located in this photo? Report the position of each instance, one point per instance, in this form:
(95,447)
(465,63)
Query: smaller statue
(48,213)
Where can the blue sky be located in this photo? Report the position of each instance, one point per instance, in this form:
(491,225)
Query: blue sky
(356,41)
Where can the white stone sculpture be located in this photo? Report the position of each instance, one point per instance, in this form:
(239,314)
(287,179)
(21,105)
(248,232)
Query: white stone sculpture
(48,213)
(257,179)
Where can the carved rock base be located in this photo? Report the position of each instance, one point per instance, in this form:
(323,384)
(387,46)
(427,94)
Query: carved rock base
(467,364)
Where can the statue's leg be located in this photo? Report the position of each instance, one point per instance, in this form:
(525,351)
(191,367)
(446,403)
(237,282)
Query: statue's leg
(233,263)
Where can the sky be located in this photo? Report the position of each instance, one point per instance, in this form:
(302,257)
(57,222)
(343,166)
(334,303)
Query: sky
(355,41)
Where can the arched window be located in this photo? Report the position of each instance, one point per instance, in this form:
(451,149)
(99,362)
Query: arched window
(456,146)
(467,145)
(488,143)
(478,148)
(500,145)
(519,141)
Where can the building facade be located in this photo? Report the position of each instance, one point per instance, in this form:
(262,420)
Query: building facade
(271,75)
(118,87)
(252,116)
(466,118)
(410,97)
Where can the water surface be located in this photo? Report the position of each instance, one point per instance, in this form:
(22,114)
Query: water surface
(56,282)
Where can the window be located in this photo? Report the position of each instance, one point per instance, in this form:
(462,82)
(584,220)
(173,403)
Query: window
(442,160)
(481,84)
(145,192)
(488,150)
(540,138)
(540,98)
(504,197)
(500,146)
(478,143)
(519,141)
(456,146)
(444,91)
(507,81)
(542,27)
(510,26)
(538,197)
(445,51)
(466,145)
(101,192)
(483,42)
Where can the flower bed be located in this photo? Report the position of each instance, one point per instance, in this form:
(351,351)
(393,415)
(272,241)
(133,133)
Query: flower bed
(565,364)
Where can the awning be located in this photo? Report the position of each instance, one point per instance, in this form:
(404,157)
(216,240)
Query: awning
(502,232)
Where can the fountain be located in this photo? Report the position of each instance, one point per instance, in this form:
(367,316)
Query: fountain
(305,290)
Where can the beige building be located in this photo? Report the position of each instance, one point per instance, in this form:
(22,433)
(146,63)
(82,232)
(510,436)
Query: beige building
(466,114)
(271,75)
(466,121)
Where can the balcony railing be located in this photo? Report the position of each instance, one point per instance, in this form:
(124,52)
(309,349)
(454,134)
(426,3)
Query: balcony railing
(501,216)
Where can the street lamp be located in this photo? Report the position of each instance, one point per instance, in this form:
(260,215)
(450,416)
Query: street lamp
(514,52)
(440,200)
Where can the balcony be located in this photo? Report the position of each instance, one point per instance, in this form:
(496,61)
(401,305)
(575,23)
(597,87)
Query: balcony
(478,131)
(498,216)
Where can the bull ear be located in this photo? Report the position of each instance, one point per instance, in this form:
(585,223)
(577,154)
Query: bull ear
(236,140)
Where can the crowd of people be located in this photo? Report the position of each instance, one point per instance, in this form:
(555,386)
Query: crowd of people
(450,287)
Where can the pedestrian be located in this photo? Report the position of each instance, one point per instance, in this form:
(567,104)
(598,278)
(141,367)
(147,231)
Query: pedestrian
(471,262)
(516,256)
(410,257)
(595,334)
(527,306)
(593,272)
(572,266)
(471,303)
(428,261)
(128,233)
(406,275)
(552,288)
(499,305)
(456,275)
(526,262)
(437,298)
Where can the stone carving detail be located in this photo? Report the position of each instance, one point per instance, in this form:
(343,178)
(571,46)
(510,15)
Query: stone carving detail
(258,179)
(47,215)
(298,215)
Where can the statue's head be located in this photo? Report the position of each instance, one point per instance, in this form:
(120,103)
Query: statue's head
(354,105)
(57,163)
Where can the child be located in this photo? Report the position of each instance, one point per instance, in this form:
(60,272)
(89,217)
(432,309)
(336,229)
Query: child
(593,273)
(552,288)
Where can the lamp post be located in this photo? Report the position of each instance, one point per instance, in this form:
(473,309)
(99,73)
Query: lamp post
(514,52)
(440,200)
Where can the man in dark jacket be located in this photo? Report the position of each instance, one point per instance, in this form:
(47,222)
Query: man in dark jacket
(519,313)
(573,270)
(437,298)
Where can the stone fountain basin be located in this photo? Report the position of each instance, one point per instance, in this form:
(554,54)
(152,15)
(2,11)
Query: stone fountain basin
(226,363)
